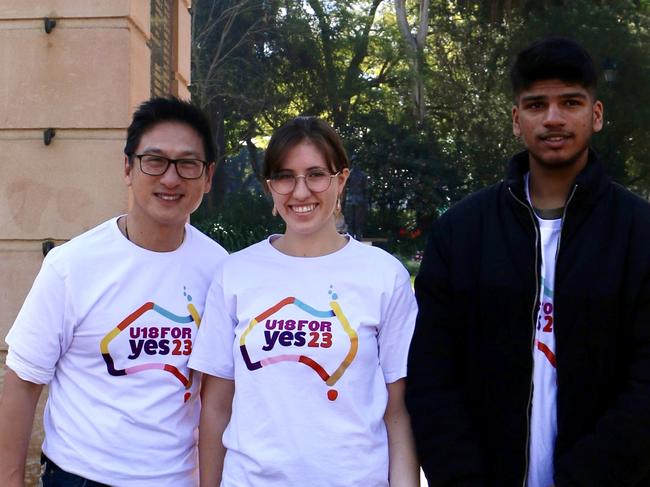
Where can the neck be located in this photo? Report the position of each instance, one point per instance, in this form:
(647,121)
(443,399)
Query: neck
(549,187)
(299,245)
(156,238)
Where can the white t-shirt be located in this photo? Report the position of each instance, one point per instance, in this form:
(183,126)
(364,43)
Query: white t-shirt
(110,326)
(543,420)
(311,343)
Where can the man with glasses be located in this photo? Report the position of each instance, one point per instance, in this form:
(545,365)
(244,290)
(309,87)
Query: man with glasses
(110,321)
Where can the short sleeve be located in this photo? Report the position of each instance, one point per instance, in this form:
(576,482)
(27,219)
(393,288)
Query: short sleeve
(43,328)
(396,330)
(212,352)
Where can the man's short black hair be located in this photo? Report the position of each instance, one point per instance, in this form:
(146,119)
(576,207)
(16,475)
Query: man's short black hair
(169,109)
(553,58)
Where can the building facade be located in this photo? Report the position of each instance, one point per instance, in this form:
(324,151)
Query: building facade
(72,74)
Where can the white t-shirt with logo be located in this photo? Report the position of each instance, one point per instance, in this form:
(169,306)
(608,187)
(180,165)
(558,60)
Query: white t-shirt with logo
(311,343)
(110,327)
(543,420)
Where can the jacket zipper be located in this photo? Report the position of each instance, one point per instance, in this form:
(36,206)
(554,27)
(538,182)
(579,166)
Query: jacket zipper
(557,252)
(532,340)
(559,240)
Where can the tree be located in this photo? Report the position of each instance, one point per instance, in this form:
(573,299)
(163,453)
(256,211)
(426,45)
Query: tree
(415,44)
(229,73)
(356,63)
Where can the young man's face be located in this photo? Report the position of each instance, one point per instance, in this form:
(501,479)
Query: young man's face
(555,121)
(167,200)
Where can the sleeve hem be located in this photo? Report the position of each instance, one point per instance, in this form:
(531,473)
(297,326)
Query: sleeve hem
(26,371)
(209,369)
(390,377)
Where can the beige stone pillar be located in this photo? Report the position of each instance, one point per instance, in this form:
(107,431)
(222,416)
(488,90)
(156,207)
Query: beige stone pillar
(83,80)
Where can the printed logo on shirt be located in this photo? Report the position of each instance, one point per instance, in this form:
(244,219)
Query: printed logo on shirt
(544,335)
(291,326)
(153,332)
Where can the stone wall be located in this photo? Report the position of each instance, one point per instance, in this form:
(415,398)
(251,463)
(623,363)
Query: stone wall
(80,83)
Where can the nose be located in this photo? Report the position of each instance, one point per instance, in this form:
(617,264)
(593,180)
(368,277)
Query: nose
(554,115)
(301,190)
(170,177)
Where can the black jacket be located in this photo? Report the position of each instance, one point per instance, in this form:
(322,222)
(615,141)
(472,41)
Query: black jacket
(470,365)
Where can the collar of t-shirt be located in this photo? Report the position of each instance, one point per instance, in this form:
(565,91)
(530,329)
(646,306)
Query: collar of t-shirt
(544,214)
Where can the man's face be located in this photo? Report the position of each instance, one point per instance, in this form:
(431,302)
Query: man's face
(555,121)
(167,200)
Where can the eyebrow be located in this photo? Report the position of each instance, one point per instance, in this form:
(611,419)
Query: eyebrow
(313,168)
(184,154)
(576,94)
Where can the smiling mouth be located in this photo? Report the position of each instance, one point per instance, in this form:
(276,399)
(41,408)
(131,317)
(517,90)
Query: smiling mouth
(168,197)
(302,209)
(554,137)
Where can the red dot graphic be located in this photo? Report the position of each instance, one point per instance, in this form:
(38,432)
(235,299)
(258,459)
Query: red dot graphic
(332,395)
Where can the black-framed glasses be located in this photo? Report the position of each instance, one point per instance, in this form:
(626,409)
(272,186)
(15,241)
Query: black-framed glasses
(316,181)
(157,165)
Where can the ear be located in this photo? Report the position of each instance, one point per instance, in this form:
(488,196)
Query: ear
(128,170)
(342,178)
(209,174)
(516,129)
(598,116)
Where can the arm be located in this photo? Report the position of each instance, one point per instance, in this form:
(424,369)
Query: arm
(446,442)
(403,464)
(216,406)
(17,407)
(617,450)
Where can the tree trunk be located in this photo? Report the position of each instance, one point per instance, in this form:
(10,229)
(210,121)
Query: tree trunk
(415,52)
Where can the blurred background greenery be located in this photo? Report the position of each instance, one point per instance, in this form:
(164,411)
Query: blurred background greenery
(418,89)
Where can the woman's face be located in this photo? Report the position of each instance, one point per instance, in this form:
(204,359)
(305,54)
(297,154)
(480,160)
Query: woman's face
(305,211)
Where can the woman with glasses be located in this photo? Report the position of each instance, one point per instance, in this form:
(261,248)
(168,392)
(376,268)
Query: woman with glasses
(305,339)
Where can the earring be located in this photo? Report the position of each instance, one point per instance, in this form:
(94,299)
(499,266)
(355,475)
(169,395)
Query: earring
(338,205)
(274,211)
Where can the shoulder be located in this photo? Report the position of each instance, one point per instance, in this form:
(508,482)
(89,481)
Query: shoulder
(261,248)
(249,256)
(626,206)
(91,241)
(631,201)
(205,243)
(372,252)
(373,260)
(465,220)
(475,204)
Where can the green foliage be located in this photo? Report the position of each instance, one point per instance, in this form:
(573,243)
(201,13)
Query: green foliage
(243,221)
(345,61)
(245,217)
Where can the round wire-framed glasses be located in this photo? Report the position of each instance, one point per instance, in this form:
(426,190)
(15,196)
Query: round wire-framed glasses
(316,181)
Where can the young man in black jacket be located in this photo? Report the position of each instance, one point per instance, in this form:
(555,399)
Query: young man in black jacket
(530,364)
